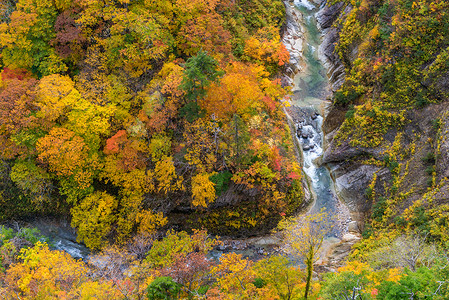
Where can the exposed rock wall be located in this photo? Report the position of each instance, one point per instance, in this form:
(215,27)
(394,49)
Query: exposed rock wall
(353,175)
(419,175)
(293,39)
(326,18)
(351,178)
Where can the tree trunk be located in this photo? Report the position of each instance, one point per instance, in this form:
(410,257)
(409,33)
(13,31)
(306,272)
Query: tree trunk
(309,265)
(236,135)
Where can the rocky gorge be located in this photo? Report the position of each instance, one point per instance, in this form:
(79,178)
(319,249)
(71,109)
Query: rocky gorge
(362,185)
(316,72)
(407,171)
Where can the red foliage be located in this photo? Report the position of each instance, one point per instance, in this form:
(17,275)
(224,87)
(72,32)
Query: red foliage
(117,141)
(19,74)
(127,151)
(293,176)
(283,55)
(16,107)
(162,117)
(187,270)
(270,103)
(68,35)
(276,159)
(131,158)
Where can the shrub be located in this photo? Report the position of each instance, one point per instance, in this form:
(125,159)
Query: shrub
(221,181)
(163,288)
(429,158)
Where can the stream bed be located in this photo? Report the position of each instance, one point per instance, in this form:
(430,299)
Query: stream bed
(309,103)
(311,90)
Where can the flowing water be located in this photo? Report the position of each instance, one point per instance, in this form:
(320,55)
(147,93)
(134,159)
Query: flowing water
(310,91)
(57,232)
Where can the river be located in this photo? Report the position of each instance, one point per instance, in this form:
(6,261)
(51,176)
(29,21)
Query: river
(311,90)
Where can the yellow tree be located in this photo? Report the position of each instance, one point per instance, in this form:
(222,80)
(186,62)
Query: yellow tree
(46,274)
(138,34)
(125,168)
(165,173)
(99,290)
(93,217)
(56,96)
(139,38)
(69,158)
(235,276)
(203,190)
(63,151)
(89,121)
(160,146)
(266,48)
(201,144)
(131,216)
(238,91)
(304,237)
(43,274)
(279,275)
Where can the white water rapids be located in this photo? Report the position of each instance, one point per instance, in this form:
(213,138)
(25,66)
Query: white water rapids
(310,88)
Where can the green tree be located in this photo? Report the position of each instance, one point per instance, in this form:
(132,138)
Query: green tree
(163,288)
(200,71)
(26,40)
(425,283)
(351,282)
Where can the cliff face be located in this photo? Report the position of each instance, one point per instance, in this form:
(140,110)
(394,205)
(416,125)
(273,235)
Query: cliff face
(351,179)
(408,165)
(326,17)
(417,173)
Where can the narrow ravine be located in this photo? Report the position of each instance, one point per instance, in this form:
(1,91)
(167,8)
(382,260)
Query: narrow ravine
(310,87)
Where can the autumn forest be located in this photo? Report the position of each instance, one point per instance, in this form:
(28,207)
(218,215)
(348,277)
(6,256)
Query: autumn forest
(154,127)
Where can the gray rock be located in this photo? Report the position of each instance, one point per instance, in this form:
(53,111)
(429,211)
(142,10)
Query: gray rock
(341,153)
(353,227)
(293,37)
(327,16)
(350,237)
(442,163)
(351,181)
(221,247)
(332,62)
